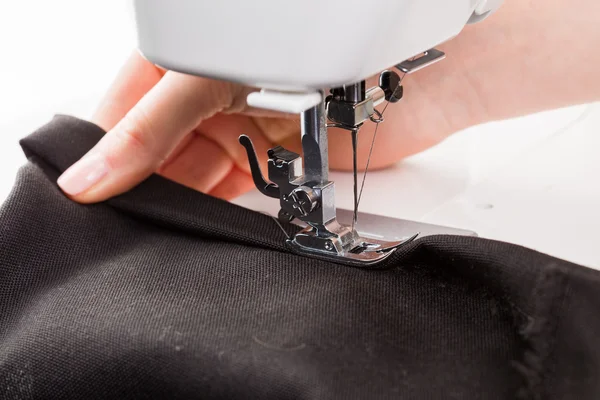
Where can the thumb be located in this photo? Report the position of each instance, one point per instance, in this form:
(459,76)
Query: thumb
(138,144)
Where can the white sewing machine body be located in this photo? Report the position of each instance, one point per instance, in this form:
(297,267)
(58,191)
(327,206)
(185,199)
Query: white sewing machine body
(311,57)
(296,45)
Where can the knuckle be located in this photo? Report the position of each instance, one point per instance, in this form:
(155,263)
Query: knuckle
(226,95)
(136,133)
(131,138)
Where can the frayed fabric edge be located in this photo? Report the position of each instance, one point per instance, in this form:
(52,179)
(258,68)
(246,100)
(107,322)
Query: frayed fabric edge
(538,333)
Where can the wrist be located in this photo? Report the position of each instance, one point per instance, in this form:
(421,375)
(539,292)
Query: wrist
(511,64)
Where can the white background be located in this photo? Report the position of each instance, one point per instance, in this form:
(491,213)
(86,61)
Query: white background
(532,181)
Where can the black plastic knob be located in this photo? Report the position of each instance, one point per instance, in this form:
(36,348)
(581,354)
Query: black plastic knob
(390,83)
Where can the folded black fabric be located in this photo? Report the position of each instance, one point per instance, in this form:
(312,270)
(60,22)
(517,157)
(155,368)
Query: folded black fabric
(164,292)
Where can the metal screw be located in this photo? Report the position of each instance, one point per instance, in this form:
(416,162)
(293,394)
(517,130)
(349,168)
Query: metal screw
(328,246)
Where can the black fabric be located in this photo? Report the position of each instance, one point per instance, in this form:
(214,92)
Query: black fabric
(164,292)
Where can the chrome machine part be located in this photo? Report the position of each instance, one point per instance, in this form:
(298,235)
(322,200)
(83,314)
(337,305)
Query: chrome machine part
(313,124)
(426,59)
(304,190)
(311,200)
(306,194)
(351,106)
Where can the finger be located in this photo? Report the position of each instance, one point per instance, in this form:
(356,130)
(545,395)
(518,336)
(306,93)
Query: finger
(135,78)
(225,130)
(183,143)
(138,144)
(235,184)
(277,130)
(201,165)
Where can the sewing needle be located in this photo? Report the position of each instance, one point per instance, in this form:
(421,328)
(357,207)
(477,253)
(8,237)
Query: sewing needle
(355,169)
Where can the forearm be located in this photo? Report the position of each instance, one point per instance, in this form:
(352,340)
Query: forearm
(532,55)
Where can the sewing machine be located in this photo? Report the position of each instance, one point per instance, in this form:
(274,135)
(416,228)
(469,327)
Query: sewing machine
(312,57)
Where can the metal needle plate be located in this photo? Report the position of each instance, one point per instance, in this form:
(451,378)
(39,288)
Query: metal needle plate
(388,228)
(380,227)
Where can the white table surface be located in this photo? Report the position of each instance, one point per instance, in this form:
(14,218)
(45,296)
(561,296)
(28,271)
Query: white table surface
(531,181)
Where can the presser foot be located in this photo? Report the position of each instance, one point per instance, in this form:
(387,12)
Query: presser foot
(343,245)
(364,252)
(312,201)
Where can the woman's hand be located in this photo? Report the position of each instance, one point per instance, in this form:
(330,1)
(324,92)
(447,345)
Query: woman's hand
(182,127)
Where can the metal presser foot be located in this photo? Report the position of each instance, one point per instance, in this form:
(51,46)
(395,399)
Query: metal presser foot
(312,201)
(305,192)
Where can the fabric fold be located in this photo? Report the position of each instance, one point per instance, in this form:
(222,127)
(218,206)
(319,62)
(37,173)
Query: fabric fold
(65,139)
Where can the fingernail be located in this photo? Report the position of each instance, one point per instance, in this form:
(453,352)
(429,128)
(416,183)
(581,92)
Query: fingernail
(83,175)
